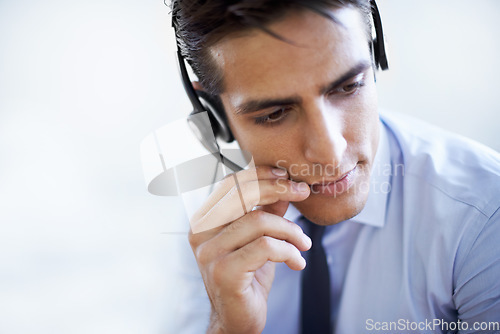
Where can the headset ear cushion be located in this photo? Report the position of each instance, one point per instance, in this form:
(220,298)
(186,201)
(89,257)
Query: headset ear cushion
(213,105)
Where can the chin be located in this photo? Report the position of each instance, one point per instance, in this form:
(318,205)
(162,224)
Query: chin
(330,211)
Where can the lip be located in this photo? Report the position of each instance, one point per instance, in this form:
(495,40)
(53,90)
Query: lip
(339,179)
(335,187)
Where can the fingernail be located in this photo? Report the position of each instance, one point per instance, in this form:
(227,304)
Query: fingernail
(300,187)
(279,171)
(307,240)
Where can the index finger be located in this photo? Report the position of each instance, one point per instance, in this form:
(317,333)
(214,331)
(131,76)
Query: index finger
(233,180)
(224,187)
(241,199)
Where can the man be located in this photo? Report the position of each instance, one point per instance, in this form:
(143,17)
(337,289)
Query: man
(411,213)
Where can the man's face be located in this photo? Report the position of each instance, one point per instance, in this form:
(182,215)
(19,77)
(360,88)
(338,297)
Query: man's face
(308,105)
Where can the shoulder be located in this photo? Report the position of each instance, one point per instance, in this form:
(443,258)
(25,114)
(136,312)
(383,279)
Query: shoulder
(448,195)
(457,167)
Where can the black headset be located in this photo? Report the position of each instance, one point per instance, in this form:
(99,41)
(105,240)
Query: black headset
(204,102)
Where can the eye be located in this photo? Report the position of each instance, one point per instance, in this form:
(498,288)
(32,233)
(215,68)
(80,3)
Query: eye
(274,117)
(353,87)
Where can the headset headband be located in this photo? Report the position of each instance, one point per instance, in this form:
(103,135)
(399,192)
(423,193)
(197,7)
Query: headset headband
(379,45)
(202,102)
(378,41)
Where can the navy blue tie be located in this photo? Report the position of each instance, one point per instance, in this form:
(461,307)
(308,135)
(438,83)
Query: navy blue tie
(315,308)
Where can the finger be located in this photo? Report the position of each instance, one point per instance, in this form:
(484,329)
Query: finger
(271,191)
(227,210)
(255,254)
(253,226)
(223,187)
(249,175)
(261,173)
(198,237)
(243,198)
(279,208)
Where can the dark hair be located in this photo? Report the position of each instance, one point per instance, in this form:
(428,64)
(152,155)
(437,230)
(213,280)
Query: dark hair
(199,24)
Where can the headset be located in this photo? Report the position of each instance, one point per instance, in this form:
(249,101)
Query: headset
(212,105)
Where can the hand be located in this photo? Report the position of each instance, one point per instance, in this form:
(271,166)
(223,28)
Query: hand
(237,258)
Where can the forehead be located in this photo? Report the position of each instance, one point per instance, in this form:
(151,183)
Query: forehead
(256,63)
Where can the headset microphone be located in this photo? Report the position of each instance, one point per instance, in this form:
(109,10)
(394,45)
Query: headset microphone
(204,102)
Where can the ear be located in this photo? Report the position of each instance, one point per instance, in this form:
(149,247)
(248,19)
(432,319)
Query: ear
(197,85)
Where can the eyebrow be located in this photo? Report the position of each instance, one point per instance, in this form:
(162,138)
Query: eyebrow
(357,69)
(256,105)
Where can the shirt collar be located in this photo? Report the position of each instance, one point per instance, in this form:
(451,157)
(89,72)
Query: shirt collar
(374,210)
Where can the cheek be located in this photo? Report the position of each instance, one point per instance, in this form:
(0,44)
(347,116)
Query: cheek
(266,147)
(265,152)
(242,135)
(248,141)
(371,122)
(362,123)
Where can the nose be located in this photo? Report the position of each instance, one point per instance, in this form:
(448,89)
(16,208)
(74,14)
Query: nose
(324,140)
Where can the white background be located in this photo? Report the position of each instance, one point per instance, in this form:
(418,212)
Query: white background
(82,248)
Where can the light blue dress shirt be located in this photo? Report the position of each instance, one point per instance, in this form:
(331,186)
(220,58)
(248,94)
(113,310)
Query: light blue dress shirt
(423,256)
